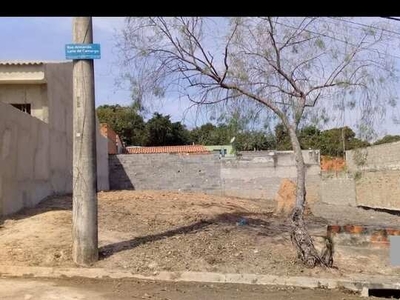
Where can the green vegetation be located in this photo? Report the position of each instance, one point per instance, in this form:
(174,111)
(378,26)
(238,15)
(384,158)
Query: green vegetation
(331,142)
(125,121)
(161,131)
(388,139)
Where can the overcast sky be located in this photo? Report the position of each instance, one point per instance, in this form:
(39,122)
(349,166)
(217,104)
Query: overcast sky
(44,38)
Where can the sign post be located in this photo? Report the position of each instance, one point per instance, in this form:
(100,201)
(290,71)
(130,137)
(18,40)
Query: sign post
(82,51)
(84,188)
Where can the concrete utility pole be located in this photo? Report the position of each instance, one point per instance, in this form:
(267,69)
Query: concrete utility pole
(85,236)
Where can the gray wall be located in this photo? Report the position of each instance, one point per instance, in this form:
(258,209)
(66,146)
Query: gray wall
(258,174)
(338,188)
(35,154)
(26,170)
(253,175)
(165,172)
(376,172)
(374,158)
(59,93)
(373,183)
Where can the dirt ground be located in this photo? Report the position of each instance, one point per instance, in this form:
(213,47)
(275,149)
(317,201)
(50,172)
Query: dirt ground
(152,231)
(69,289)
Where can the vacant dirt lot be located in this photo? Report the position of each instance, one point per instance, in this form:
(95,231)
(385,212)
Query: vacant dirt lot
(151,231)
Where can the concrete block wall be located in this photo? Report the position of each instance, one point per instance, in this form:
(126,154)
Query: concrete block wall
(376,172)
(250,176)
(259,176)
(338,188)
(311,157)
(374,158)
(165,172)
(378,189)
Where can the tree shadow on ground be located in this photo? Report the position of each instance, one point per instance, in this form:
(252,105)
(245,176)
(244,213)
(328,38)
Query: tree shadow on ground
(256,222)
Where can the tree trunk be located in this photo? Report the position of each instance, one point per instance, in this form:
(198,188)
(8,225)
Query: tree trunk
(299,235)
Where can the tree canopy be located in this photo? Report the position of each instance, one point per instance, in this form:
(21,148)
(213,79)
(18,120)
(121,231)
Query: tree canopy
(331,142)
(388,139)
(162,132)
(125,121)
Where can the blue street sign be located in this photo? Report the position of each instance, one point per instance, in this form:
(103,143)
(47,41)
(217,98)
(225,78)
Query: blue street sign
(82,51)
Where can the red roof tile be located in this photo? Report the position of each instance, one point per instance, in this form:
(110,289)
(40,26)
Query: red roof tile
(168,149)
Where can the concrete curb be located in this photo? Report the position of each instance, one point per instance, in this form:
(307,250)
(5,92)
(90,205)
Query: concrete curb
(350,283)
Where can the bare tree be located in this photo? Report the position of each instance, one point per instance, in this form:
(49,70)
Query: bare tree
(291,66)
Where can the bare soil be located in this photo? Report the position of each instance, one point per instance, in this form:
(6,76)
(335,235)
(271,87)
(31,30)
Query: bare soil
(150,231)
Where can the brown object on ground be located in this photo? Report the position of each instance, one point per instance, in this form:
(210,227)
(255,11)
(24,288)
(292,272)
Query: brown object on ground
(286,199)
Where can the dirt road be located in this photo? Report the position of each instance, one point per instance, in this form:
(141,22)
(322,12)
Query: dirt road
(79,289)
